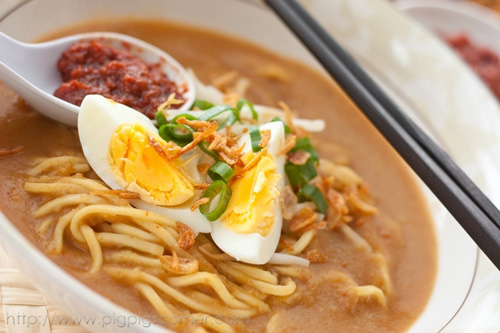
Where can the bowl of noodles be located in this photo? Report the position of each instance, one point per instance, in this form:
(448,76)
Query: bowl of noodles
(270,205)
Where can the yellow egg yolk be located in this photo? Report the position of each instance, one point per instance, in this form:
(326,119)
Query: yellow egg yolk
(254,200)
(139,167)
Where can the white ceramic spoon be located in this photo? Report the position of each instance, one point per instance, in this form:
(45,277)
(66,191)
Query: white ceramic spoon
(31,70)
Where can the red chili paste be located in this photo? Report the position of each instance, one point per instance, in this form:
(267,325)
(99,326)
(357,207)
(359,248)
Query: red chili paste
(93,67)
(482,60)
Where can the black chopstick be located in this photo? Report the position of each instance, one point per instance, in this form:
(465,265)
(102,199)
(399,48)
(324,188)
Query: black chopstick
(470,207)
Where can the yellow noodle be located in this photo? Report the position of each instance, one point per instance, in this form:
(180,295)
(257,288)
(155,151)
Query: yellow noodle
(119,240)
(59,162)
(212,323)
(216,307)
(179,265)
(355,238)
(112,213)
(302,242)
(385,284)
(105,219)
(152,296)
(130,257)
(211,280)
(90,184)
(125,229)
(277,290)
(209,251)
(136,275)
(251,300)
(369,292)
(292,271)
(94,247)
(70,200)
(56,245)
(52,188)
(43,227)
(267,288)
(164,235)
(255,272)
(362,205)
(229,271)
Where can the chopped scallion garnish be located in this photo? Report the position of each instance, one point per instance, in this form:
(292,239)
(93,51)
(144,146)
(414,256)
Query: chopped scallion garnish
(204,147)
(300,174)
(314,194)
(218,190)
(255,138)
(217,110)
(183,115)
(242,102)
(306,145)
(160,118)
(221,171)
(202,105)
(180,134)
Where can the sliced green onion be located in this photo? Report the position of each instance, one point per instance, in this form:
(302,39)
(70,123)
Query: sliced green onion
(255,138)
(314,194)
(232,119)
(202,105)
(160,118)
(179,132)
(218,190)
(242,102)
(204,147)
(183,115)
(287,128)
(306,145)
(221,171)
(300,174)
(164,133)
(217,110)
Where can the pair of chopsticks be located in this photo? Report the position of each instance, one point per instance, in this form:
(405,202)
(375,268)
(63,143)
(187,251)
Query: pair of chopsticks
(463,199)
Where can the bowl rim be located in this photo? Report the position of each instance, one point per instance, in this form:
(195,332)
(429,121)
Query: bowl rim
(89,288)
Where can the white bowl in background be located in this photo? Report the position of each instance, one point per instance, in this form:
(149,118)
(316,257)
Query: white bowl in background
(248,20)
(436,88)
(450,17)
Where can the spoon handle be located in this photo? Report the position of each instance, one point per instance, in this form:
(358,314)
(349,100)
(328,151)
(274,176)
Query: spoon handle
(12,54)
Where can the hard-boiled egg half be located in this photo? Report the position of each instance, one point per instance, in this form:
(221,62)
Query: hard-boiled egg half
(250,228)
(121,146)
(118,142)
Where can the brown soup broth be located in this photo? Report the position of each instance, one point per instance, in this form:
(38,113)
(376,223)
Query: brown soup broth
(402,229)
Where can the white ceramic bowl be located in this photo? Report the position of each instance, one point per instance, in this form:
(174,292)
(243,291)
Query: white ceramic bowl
(251,21)
(451,17)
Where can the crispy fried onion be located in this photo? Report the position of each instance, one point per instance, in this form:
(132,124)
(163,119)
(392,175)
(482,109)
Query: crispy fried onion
(198,203)
(199,124)
(288,115)
(174,264)
(186,236)
(316,256)
(171,100)
(299,157)
(288,202)
(168,152)
(265,137)
(289,144)
(304,220)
